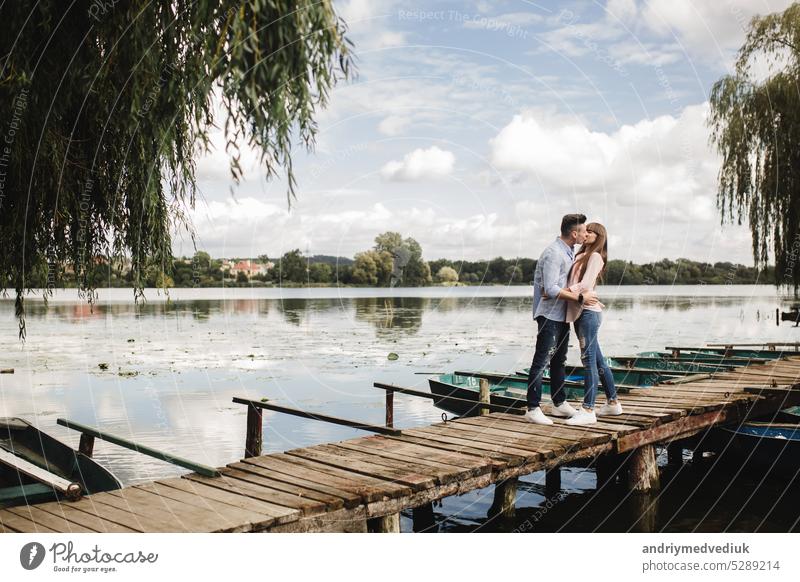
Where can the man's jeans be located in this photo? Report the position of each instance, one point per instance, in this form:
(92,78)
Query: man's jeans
(552,342)
(595,367)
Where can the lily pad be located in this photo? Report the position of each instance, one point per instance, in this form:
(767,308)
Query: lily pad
(393,356)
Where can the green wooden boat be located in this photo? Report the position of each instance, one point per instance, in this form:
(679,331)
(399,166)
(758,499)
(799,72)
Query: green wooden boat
(622,375)
(668,364)
(35,467)
(706,357)
(508,392)
(504,390)
(767,354)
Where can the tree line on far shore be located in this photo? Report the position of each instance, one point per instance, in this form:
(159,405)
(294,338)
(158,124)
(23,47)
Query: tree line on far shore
(397,261)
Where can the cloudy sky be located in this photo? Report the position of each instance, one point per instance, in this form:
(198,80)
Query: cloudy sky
(473,126)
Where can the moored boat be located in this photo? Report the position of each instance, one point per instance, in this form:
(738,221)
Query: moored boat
(770,445)
(35,467)
(509,391)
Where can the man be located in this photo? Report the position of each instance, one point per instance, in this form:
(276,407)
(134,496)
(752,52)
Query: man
(550,296)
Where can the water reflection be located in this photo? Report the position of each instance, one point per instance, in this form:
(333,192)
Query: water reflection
(392,315)
(172,367)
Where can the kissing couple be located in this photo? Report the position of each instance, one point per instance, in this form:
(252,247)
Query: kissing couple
(563,293)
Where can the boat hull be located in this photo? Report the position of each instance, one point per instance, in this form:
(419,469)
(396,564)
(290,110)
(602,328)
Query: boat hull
(26,442)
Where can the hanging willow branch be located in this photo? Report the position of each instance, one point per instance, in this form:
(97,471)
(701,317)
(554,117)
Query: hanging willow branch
(106,105)
(756,128)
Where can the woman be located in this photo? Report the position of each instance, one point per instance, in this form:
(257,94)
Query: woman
(590,263)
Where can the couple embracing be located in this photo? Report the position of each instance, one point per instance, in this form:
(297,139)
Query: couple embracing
(564,283)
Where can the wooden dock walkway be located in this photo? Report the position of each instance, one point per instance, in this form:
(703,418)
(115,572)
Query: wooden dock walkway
(362,484)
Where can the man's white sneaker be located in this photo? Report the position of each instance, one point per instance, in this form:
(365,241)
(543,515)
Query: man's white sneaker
(563,410)
(536,416)
(610,409)
(582,416)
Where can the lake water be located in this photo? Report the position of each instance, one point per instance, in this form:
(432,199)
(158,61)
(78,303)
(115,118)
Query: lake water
(172,366)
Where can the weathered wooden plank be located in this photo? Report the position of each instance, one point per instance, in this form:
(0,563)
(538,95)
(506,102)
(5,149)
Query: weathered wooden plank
(518,423)
(267,478)
(534,442)
(231,517)
(304,477)
(442,474)
(394,451)
(93,522)
(276,514)
(291,496)
(387,487)
(177,515)
(530,452)
(354,464)
(416,451)
(448,436)
(494,459)
(671,430)
(47,519)
(22,522)
(370,488)
(109,513)
(403,451)
(6,528)
(233,483)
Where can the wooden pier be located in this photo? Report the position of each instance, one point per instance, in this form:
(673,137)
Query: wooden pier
(363,483)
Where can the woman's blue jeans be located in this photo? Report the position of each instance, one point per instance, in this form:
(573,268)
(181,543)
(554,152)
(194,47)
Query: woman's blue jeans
(595,366)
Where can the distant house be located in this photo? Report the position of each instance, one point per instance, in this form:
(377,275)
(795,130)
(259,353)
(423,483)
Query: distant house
(249,268)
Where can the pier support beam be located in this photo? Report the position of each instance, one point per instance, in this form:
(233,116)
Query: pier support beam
(645,511)
(253,440)
(552,481)
(86,444)
(385,524)
(505,499)
(424,520)
(643,470)
(484,396)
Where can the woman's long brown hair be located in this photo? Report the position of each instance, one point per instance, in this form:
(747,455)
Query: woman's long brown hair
(600,245)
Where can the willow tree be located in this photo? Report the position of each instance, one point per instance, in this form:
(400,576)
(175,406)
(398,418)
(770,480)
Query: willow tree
(755,122)
(107,105)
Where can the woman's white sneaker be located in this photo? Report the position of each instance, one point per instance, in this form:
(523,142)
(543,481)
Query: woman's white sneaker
(563,410)
(536,416)
(610,409)
(582,416)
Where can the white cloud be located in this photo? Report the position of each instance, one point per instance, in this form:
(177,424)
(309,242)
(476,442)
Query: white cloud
(393,125)
(420,164)
(367,22)
(663,161)
(709,31)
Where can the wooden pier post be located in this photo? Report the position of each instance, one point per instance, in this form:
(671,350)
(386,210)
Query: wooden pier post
(643,470)
(390,408)
(505,499)
(645,509)
(423,518)
(484,396)
(675,454)
(86,444)
(253,441)
(384,524)
(552,481)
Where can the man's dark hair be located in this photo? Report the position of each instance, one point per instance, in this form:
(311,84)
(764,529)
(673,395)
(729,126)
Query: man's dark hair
(570,222)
